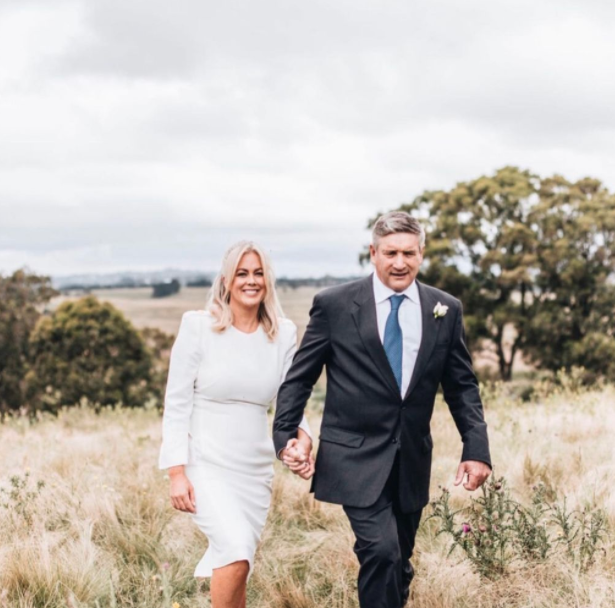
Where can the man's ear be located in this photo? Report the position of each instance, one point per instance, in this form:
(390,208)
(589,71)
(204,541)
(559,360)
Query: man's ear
(372,252)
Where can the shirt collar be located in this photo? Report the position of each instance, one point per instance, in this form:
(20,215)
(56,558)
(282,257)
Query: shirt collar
(382,292)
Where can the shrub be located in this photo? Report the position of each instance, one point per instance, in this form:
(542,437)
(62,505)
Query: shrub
(88,349)
(495,531)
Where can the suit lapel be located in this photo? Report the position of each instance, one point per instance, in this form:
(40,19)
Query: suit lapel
(429,336)
(364,315)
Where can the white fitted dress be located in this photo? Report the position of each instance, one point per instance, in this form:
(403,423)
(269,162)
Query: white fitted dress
(219,389)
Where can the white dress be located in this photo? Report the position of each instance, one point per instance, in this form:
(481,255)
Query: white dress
(219,389)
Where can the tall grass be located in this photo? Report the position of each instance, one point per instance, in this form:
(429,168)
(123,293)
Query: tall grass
(100,531)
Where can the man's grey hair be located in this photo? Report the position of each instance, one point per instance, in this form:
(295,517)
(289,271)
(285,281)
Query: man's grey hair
(395,222)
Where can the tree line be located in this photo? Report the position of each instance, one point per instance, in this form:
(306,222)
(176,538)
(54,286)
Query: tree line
(525,253)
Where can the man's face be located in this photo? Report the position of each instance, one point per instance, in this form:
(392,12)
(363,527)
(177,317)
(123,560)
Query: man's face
(397,259)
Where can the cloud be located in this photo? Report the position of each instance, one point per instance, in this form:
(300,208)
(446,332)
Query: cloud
(296,251)
(145,132)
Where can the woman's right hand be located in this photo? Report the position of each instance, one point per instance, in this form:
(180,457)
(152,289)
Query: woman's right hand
(182,492)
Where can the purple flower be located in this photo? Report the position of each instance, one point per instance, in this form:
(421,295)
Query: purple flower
(466,528)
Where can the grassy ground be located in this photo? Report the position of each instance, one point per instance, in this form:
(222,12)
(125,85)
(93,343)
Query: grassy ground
(101,532)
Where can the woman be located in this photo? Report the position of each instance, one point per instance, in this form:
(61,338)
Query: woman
(226,366)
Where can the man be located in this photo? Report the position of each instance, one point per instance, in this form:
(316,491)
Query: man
(387,342)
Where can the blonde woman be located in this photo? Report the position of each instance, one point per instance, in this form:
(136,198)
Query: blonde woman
(227,364)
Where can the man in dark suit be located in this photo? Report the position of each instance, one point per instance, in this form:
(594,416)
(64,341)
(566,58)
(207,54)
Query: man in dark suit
(387,342)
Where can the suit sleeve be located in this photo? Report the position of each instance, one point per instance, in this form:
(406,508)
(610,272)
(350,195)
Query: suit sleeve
(179,395)
(289,353)
(305,370)
(462,396)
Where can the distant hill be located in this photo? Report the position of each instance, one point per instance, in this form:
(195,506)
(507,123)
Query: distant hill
(129,279)
(186,278)
(326,281)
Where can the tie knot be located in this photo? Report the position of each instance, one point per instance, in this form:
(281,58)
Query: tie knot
(396,302)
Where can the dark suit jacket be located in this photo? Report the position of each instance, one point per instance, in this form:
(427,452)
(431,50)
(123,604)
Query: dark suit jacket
(365,420)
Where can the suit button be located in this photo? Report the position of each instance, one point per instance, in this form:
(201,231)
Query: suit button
(394,440)
(403,409)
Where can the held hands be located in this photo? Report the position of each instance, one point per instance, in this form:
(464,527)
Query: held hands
(474,472)
(182,492)
(298,458)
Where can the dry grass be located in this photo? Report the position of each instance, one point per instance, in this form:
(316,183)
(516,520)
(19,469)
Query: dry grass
(103,533)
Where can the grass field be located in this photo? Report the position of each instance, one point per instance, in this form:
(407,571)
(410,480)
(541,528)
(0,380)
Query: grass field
(101,531)
(166,313)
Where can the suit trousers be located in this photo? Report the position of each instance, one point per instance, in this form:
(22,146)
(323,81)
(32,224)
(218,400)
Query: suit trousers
(384,544)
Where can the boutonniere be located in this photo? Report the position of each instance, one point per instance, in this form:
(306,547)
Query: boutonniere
(439,310)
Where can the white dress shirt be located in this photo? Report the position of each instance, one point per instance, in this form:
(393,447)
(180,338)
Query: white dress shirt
(410,322)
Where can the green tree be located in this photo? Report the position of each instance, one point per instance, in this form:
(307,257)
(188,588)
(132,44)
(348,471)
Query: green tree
(529,255)
(574,223)
(22,296)
(87,348)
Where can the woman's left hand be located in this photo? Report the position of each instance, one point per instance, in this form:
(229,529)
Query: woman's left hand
(298,458)
(308,469)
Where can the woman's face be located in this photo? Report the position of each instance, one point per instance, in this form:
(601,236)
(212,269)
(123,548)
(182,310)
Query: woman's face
(248,286)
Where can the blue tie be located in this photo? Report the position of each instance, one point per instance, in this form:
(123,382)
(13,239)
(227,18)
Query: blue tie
(393,346)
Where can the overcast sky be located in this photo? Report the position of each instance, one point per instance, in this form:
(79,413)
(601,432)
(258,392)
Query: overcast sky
(146,134)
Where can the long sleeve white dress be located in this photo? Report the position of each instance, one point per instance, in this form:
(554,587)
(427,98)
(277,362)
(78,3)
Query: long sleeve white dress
(219,388)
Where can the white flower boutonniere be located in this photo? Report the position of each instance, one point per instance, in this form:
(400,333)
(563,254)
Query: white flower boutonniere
(439,310)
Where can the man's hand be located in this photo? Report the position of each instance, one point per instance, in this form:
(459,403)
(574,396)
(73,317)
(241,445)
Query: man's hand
(182,492)
(297,457)
(474,472)
(308,469)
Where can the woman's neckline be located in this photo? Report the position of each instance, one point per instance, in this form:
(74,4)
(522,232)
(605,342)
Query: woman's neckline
(246,333)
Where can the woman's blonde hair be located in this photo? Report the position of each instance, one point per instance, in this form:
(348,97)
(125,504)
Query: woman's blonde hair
(269,311)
